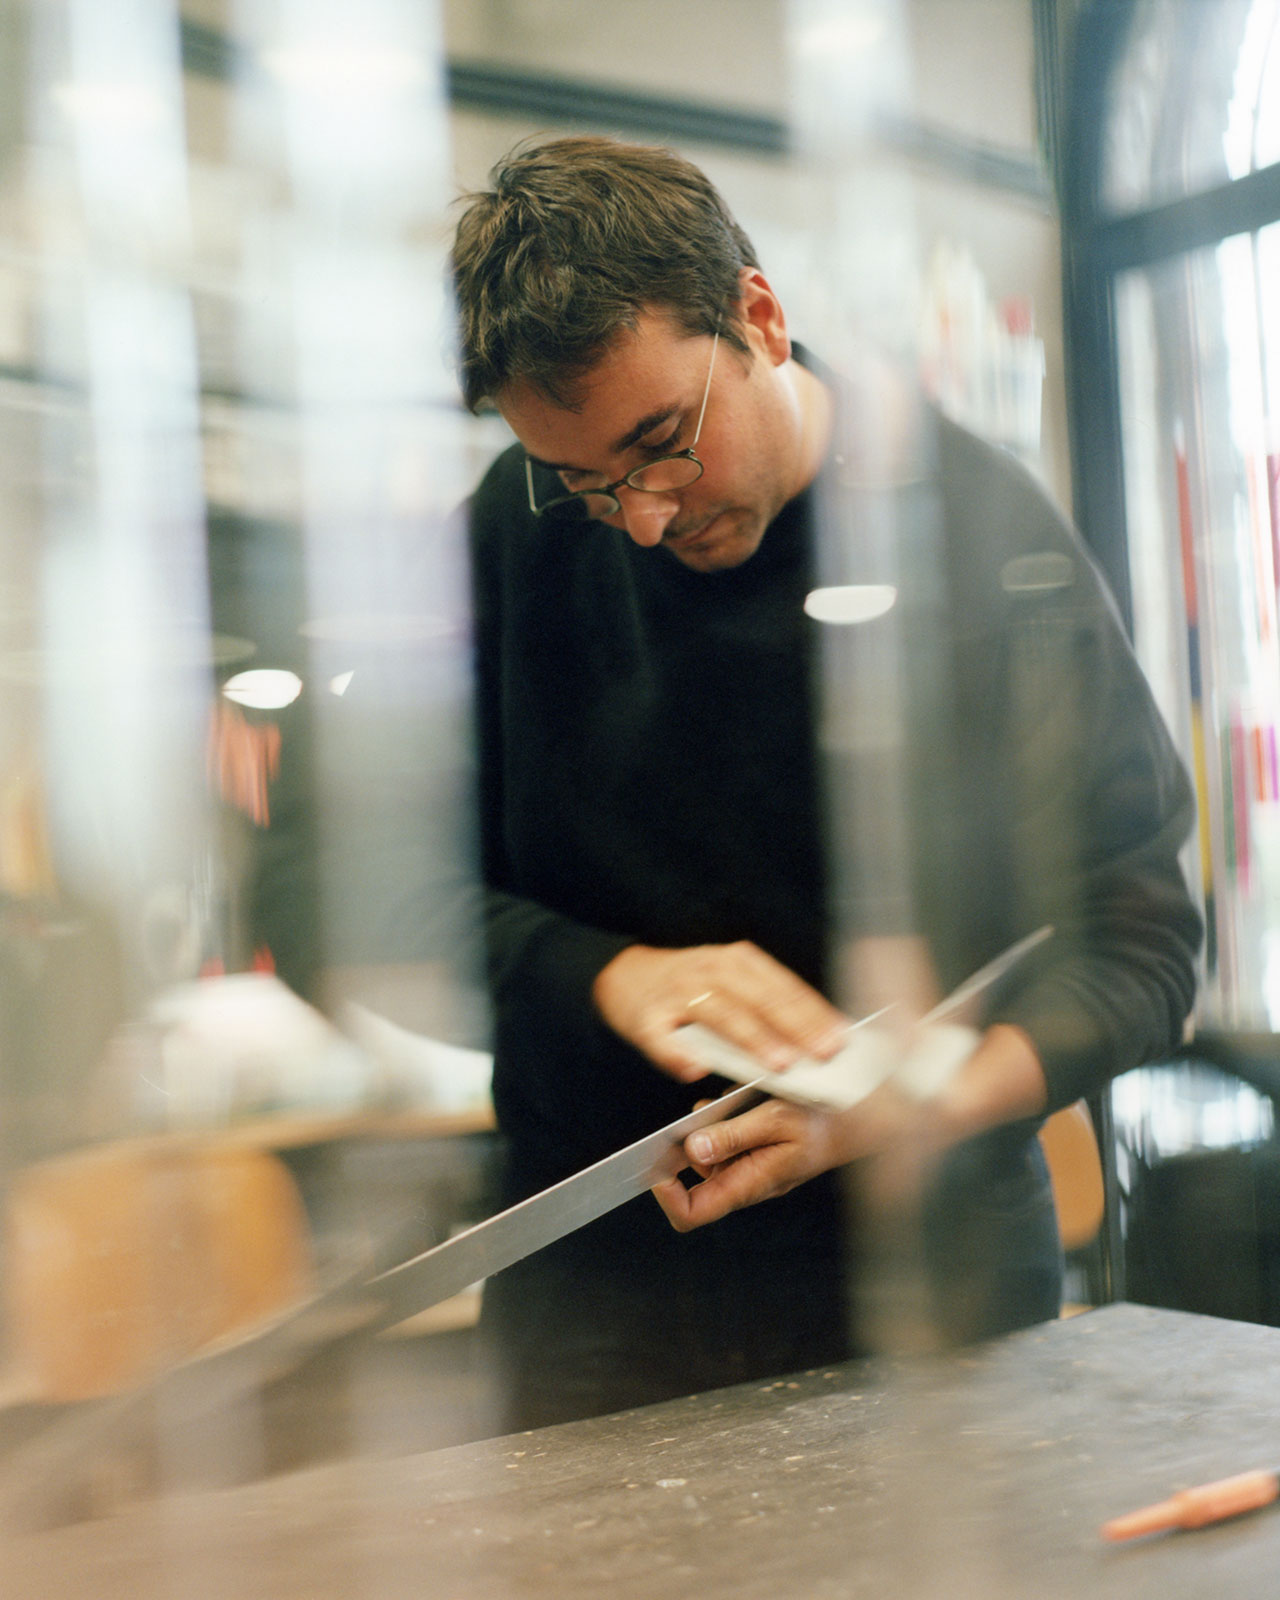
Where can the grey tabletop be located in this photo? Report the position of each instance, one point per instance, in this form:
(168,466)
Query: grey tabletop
(984,1473)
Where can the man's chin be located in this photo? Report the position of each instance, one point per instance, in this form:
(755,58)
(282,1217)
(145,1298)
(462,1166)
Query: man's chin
(722,544)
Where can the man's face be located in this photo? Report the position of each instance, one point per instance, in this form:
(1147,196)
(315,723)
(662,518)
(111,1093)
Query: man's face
(641,400)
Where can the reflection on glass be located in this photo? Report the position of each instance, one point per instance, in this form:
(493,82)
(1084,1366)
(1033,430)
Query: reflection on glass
(233,702)
(1198,369)
(1193,100)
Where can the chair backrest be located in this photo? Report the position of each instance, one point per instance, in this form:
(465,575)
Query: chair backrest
(1075,1170)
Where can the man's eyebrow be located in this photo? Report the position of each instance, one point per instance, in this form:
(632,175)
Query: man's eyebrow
(645,425)
(632,436)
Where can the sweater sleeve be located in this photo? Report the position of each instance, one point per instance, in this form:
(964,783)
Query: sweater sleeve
(1101,807)
(1107,807)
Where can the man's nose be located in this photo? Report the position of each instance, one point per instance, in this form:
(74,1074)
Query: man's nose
(646,515)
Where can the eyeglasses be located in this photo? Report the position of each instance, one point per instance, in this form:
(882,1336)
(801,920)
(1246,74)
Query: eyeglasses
(659,476)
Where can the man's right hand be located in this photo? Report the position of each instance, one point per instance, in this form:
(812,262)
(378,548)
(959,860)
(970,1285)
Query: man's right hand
(645,994)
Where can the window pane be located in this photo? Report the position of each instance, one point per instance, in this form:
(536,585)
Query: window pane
(1199,343)
(1267,136)
(1191,100)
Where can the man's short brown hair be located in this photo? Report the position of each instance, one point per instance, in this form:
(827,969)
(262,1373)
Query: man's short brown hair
(576,237)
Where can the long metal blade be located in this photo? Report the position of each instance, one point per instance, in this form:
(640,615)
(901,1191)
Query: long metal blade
(511,1235)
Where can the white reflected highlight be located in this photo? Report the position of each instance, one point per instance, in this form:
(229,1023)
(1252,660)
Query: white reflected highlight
(851,602)
(840,37)
(337,68)
(122,649)
(264,688)
(346,316)
(106,105)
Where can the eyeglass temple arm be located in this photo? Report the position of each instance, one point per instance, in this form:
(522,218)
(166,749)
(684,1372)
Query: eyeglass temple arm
(706,390)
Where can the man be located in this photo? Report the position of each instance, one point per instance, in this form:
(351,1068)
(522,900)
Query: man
(655,797)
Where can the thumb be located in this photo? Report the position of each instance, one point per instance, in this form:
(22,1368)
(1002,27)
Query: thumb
(710,1146)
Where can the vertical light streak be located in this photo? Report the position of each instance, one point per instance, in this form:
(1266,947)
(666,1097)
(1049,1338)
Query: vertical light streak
(125,605)
(348,107)
(849,86)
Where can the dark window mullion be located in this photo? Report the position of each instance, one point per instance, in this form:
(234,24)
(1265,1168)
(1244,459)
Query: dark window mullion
(1195,223)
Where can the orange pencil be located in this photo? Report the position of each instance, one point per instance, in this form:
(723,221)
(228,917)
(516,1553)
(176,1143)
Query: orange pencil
(1194,1508)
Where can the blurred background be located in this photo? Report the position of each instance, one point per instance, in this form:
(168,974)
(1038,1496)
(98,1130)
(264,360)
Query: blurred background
(242,1033)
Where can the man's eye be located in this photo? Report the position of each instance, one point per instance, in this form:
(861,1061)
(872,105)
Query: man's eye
(663,447)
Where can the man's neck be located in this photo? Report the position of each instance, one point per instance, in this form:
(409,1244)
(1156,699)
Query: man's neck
(816,410)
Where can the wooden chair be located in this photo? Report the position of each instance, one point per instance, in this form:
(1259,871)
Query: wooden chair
(127,1257)
(1075,1171)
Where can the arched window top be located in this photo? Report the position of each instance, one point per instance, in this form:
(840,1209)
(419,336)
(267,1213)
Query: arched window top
(1194,100)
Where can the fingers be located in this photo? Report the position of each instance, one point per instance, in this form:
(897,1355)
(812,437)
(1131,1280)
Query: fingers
(773,1016)
(765,1002)
(775,1146)
(673,1197)
(654,1036)
(750,1158)
(759,1174)
(737,990)
(770,1123)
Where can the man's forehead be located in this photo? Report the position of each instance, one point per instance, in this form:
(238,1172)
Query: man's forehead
(639,381)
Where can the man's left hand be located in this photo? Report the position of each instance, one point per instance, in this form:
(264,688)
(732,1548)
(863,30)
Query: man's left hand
(773,1147)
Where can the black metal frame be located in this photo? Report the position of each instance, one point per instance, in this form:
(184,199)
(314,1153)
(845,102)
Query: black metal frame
(1093,400)
(1096,247)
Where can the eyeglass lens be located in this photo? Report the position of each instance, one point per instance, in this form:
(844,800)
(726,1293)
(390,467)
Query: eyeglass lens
(654,477)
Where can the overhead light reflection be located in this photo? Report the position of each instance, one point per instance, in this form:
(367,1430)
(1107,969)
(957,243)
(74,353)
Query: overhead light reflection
(119,106)
(339,69)
(834,37)
(263,688)
(851,602)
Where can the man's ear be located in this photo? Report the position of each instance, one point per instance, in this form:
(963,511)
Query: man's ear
(762,319)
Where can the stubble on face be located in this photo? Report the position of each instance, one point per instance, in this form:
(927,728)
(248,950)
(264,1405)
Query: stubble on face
(725,540)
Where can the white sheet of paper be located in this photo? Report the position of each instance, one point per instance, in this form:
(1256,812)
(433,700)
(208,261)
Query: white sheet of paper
(920,1064)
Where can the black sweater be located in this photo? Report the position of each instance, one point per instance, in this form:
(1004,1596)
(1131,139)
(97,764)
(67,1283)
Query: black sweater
(654,768)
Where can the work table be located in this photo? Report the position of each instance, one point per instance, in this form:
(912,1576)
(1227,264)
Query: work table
(984,1473)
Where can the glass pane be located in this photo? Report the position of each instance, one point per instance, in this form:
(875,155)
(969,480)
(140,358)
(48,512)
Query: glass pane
(1198,345)
(1190,101)
(236,902)
(1251,125)
(1267,134)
